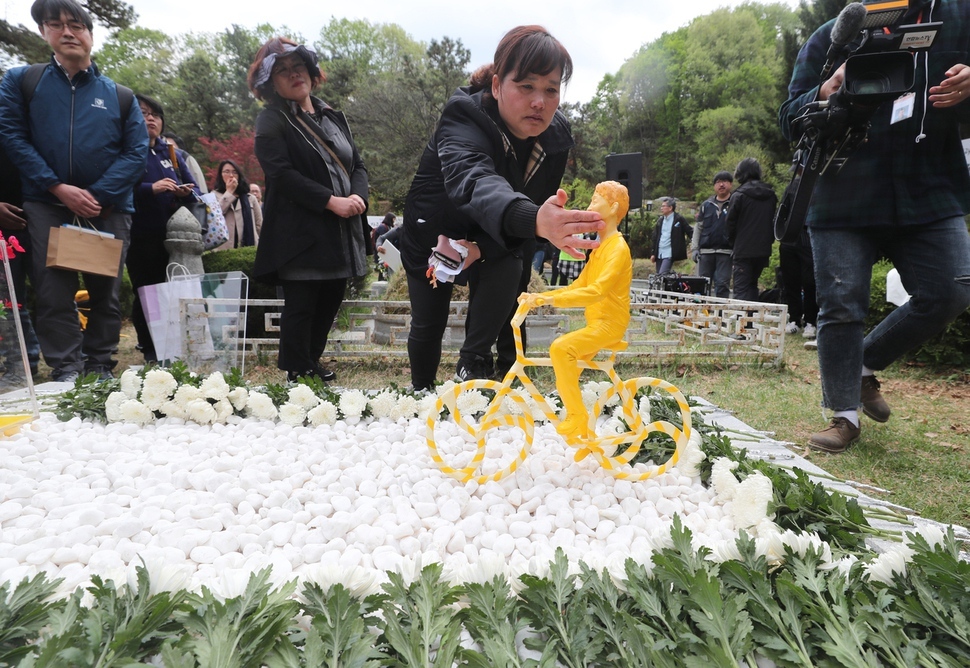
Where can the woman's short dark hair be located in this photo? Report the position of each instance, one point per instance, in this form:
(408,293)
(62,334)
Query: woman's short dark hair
(153,105)
(52,10)
(523,51)
(748,169)
(277,46)
(242,187)
(389,219)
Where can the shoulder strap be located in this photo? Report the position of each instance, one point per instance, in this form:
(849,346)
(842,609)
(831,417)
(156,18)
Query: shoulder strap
(32,77)
(125,97)
(29,83)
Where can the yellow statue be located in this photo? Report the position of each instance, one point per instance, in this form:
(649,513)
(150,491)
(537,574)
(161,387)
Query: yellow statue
(603,288)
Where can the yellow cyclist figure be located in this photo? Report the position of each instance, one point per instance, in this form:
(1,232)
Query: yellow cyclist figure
(603,288)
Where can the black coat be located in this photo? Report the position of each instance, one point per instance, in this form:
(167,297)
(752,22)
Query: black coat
(468,177)
(680,237)
(750,220)
(298,230)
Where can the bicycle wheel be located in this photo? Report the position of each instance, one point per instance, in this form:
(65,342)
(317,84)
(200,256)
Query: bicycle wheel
(637,431)
(463,436)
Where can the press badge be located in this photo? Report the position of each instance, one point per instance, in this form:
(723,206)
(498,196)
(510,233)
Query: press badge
(903,107)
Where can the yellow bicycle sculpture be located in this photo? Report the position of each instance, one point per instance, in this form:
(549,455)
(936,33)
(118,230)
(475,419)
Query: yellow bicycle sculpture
(600,447)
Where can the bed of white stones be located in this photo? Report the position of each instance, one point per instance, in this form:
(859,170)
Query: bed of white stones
(216,503)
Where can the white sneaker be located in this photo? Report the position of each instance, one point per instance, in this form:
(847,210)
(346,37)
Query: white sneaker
(811,344)
(809,332)
(791,328)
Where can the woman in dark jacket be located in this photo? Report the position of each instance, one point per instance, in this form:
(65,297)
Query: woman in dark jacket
(165,186)
(490,176)
(312,239)
(750,228)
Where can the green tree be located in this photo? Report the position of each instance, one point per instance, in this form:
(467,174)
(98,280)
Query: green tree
(145,60)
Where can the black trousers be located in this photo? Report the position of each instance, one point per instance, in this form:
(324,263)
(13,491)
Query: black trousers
(147,261)
(309,309)
(798,276)
(493,286)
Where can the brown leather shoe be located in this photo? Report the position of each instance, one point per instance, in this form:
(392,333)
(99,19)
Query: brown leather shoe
(873,405)
(835,438)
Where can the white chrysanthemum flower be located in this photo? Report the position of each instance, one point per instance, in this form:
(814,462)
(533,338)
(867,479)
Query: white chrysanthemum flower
(353,403)
(406,407)
(200,411)
(383,405)
(751,499)
(488,565)
(185,394)
(112,406)
(611,427)
(769,543)
(723,480)
(692,456)
(238,398)
(154,398)
(644,408)
(843,565)
(931,533)
(261,406)
(426,406)
(724,550)
(471,403)
(173,409)
(589,397)
(223,409)
(882,568)
(163,576)
(802,541)
(302,396)
(136,412)
(159,381)
(131,383)
(361,582)
(292,414)
(323,413)
(215,386)
(445,388)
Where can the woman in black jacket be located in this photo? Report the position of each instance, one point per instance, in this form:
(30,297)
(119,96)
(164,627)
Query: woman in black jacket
(313,236)
(490,176)
(750,227)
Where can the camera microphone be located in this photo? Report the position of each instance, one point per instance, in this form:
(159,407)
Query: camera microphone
(847,26)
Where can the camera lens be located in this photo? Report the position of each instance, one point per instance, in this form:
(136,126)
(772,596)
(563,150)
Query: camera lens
(870,83)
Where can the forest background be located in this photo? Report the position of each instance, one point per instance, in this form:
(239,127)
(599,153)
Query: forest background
(693,101)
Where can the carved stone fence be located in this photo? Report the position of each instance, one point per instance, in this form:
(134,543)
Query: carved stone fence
(663,325)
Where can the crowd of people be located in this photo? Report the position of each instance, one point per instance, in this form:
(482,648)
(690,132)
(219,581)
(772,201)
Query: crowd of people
(484,208)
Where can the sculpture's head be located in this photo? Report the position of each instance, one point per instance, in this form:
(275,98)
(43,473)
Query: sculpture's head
(612,201)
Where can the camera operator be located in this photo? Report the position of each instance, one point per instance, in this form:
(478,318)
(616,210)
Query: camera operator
(902,195)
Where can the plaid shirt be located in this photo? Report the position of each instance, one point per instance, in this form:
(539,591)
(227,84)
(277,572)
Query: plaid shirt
(893,179)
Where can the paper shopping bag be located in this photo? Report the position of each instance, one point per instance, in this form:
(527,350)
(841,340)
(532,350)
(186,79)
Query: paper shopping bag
(84,249)
(160,303)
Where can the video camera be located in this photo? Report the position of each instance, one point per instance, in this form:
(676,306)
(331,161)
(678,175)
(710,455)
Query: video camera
(880,67)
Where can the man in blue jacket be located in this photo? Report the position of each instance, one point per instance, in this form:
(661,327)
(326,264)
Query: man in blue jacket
(79,156)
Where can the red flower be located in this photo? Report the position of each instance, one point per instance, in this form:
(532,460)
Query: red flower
(13,246)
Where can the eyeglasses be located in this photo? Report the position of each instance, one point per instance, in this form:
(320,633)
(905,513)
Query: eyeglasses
(288,71)
(58,26)
(151,114)
(230,172)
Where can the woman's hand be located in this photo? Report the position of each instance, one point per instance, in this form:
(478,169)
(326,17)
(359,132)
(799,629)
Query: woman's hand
(345,207)
(474,252)
(231,184)
(558,225)
(164,186)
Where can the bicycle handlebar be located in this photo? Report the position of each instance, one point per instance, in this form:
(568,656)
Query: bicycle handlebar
(520,312)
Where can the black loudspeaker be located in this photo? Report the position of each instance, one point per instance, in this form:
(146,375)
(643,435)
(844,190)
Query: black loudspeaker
(627,168)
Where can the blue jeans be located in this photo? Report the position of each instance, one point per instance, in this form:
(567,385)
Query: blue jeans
(928,258)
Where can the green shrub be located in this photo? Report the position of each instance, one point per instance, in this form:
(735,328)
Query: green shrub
(243,259)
